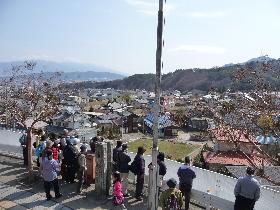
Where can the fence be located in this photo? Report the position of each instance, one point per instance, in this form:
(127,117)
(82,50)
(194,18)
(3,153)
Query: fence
(211,189)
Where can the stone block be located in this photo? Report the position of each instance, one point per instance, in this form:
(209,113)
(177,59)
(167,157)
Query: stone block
(6,204)
(109,166)
(101,168)
(18,208)
(7,191)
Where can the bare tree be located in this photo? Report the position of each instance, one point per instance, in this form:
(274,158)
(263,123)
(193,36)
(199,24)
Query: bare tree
(29,98)
(248,113)
(251,112)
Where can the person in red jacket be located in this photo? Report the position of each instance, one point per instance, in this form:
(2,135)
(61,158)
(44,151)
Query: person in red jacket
(117,189)
(55,151)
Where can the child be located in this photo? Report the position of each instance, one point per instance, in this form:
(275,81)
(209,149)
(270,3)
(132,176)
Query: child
(55,150)
(117,189)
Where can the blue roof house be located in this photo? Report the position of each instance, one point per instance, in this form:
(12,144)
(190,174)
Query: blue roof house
(167,127)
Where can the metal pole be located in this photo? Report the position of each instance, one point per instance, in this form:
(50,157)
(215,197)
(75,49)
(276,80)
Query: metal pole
(153,187)
(122,120)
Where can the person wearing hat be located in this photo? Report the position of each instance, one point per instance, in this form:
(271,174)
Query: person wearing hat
(171,198)
(49,168)
(76,143)
(186,175)
(123,160)
(49,144)
(82,167)
(140,165)
(246,191)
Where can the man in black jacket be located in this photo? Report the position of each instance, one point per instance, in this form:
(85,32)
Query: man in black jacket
(70,159)
(140,163)
(162,167)
(186,176)
(123,167)
(116,151)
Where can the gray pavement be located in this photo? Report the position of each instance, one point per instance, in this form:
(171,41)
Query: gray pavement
(16,194)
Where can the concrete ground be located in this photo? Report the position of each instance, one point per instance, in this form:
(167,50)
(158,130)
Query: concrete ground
(15,194)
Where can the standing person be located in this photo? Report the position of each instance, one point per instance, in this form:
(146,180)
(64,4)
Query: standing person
(124,159)
(63,168)
(39,150)
(162,167)
(246,191)
(82,167)
(49,145)
(65,133)
(139,164)
(116,150)
(186,176)
(70,158)
(49,167)
(55,150)
(171,198)
(117,189)
(76,143)
(24,145)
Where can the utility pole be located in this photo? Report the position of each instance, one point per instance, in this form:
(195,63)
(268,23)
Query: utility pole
(153,170)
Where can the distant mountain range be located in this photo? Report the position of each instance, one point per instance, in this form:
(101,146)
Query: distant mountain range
(264,58)
(218,78)
(70,71)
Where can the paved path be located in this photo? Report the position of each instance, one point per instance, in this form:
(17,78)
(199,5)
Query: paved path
(16,195)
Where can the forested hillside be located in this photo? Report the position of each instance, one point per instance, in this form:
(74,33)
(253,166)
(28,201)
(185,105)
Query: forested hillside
(220,78)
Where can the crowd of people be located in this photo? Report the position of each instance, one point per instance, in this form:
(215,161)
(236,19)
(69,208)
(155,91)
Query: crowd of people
(65,152)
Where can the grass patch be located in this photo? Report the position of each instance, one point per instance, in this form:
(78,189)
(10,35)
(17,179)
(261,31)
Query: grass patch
(174,151)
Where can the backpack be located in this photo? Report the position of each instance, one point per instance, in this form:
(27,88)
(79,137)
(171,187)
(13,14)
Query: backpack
(39,150)
(172,203)
(133,167)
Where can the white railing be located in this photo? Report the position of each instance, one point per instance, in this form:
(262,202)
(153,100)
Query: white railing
(216,190)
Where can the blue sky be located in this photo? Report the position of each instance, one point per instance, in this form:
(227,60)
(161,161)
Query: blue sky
(121,34)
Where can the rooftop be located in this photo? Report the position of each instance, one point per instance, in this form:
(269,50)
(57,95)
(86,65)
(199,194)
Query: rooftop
(236,158)
(229,134)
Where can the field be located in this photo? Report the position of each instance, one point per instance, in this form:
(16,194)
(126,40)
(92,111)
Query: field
(174,151)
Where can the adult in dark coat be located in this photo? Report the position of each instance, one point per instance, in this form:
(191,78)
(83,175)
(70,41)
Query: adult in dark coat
(123,168)
(24,145)
(140,164)
(162,168)
(116,151)
(186,175)
(70,160)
